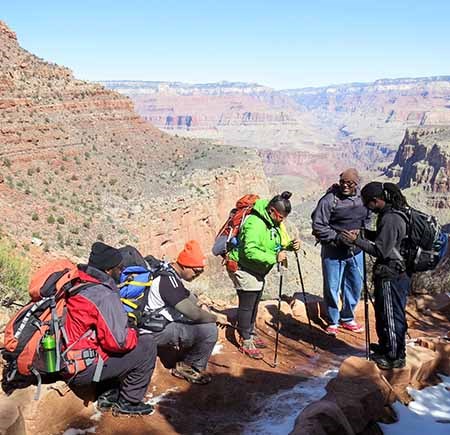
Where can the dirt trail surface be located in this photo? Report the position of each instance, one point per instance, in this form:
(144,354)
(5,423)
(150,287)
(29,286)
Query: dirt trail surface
(241,386)
(245,396)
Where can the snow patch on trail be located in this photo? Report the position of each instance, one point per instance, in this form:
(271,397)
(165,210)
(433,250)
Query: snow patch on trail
(97,415)
(154,400)
(72,431)
(217,349)
(428,414)
(279,412)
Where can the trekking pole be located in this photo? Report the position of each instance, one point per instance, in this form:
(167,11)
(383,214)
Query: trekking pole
(366,308)
(280,271)
(363,279)
(304,299)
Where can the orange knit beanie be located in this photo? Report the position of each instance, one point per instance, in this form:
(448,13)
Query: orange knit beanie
(191,255)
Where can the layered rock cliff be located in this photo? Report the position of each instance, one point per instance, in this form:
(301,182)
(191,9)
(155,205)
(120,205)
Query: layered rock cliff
(376,112)
(379,111)
(422,164)
(79,165)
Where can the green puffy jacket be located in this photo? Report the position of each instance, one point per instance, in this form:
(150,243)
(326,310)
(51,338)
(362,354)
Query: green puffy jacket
(259,241)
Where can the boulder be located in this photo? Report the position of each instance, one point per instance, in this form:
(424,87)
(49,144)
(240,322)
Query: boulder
(57,408)
(442,347)
(360,400)
(11,419)
(359,368)
(267,313)
(423,363)
(439,302)
(420,369)
(322,418)
(316,307)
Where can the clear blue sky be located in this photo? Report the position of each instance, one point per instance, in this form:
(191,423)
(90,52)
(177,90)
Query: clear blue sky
(283,44)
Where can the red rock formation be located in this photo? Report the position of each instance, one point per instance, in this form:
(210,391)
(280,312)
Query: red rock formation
(80,164)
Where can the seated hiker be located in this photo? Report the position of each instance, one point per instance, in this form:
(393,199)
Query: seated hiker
(263,242)
(128,360)
(189,326)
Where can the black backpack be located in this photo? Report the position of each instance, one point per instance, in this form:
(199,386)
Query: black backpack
(422,249)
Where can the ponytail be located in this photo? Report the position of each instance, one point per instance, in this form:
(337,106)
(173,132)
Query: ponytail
(281,202)
(394,196)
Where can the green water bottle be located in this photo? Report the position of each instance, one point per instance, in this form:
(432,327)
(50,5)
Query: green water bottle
(49,347)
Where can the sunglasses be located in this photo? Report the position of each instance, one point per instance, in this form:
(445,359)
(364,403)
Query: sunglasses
(347,183)
(197,271)
(277,214)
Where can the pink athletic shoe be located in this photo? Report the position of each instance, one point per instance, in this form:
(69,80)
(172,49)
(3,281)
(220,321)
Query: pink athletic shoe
(352,326)
(332,330)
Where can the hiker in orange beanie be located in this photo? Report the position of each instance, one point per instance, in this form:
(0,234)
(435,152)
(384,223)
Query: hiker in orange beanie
(191,261)
(188,325)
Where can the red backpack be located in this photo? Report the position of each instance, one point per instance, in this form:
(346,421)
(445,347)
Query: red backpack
(227,237)
(41,318)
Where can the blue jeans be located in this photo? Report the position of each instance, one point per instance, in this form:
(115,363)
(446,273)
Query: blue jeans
(342,275)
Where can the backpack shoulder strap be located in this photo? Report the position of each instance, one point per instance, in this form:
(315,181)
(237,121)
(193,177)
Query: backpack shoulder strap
(403,214)
(259,216)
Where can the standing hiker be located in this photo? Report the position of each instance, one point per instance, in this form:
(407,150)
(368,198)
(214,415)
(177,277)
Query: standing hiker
(128,361)
(341,209)
(262,244)
(186,324)
(391,279)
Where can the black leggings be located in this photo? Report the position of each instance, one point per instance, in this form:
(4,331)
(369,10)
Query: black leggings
(247,311)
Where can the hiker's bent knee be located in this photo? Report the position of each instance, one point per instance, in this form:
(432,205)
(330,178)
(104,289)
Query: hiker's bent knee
(208,331)
(147,346)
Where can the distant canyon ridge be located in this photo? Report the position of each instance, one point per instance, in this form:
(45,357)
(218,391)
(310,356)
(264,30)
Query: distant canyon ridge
(251,114)
(306,136)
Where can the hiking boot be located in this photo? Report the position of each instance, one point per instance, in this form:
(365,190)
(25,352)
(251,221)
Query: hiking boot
(352,326)
(190,374)
(376,351)
(259,342)
(125,407)
(332,330)
(248,348)
(386,363)
(107,399)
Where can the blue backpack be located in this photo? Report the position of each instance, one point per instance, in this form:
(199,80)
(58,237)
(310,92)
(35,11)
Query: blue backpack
(135,283)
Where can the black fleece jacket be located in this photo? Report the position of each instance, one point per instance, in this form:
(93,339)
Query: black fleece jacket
(390,232)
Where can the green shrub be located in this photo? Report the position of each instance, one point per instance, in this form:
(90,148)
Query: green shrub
(34,216)
(61,220)
(51,219)
(14,272)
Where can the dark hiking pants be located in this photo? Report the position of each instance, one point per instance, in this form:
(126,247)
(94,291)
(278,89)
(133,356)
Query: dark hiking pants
(197,340)
(247,311)
(133,370)
(391,295)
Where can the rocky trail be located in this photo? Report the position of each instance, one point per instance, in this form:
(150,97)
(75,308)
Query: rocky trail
(248,396)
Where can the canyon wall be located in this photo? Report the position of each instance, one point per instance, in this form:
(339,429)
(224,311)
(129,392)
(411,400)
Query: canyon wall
(375,112)
(422,165)
(79,165)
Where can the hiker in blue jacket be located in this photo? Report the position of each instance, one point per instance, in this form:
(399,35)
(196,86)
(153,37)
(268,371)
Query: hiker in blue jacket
(341,208)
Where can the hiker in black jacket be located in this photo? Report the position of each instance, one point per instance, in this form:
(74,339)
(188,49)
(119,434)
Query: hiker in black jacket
(391,280)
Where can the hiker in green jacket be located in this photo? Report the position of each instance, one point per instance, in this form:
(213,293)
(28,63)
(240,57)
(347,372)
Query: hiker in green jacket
(263,242)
